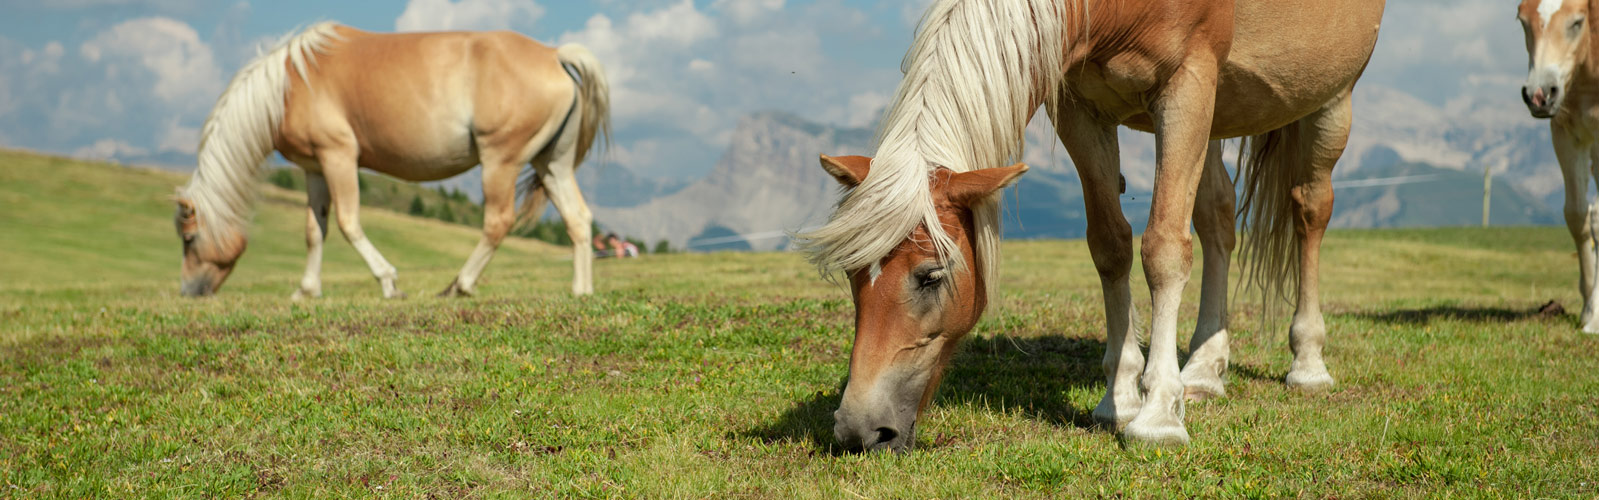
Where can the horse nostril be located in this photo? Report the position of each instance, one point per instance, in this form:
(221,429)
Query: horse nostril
(1526,96)
(886,434)
(1553,92)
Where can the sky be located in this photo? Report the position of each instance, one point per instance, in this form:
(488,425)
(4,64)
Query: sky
(119,78)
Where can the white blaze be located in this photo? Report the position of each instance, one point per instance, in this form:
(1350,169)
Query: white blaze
(1547,9)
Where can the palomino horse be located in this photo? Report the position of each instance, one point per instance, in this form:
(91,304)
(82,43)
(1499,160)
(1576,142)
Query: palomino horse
(917,231)
(417,106)
(1563,84)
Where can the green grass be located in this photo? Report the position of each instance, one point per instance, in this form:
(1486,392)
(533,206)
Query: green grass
(715,375)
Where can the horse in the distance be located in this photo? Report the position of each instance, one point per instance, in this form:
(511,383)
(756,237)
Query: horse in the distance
(917,231)
(415,106)
(1563,85)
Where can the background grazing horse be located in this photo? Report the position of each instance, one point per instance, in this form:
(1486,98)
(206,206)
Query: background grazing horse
(416,106)
(1563,85)
(917,230)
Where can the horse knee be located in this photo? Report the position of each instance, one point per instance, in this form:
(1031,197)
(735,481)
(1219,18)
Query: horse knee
(1167,257)
(1112,250)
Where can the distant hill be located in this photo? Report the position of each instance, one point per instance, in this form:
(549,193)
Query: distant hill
(62,213)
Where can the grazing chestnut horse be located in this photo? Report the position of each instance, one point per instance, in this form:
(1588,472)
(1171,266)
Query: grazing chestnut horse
(1563,85)
(416,106)
(917,231)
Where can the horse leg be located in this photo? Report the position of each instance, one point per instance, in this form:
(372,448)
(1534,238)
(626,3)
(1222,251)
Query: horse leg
(1183,114)
(557,175)
(1094,150)
(1213,220)
(339,168)
(499,212)
(1575,159)
(316,232)
(1324,135)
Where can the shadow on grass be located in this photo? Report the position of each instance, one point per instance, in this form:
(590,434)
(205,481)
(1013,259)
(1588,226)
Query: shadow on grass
(1030,375)
(1459,313)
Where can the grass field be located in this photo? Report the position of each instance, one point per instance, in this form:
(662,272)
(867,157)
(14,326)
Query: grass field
(715,375)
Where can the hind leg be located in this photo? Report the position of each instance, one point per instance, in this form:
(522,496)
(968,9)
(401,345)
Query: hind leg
(316,233)
(1213,220)
(1326,133)
(499,212)
(1094,150)
(557,169)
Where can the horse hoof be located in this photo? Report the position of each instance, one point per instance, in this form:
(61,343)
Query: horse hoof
(454,290)
(301,295)
(1157,434)
(1310,380)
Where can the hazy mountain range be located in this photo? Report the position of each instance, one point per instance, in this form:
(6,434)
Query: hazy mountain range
(1408,164)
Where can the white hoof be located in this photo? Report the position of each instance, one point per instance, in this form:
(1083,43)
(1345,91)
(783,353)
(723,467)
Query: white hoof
(1310,379)
(303,294)
(1591,327)
(1161,431)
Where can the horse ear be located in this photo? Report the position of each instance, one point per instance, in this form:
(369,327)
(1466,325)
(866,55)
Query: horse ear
(849,170)
(185,209)
(966,188)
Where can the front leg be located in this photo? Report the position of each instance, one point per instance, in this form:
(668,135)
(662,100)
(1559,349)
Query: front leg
(1095,152)
(1183,114)
(316,233)
(339,168)
(1575,157)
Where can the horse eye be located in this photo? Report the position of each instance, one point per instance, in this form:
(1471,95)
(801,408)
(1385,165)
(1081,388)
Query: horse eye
(931,279)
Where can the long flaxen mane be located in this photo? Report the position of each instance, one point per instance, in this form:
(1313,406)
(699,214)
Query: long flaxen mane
(237,136)
(974,75)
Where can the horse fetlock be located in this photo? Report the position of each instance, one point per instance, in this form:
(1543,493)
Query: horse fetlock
(1203,382)
(1117,408)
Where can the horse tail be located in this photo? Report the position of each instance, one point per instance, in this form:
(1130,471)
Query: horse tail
(1274,166)
(593,110)
(594,97)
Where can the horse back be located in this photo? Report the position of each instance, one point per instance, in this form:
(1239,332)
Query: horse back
(418,104)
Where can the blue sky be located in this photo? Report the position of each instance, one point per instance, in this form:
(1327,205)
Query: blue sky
(125,78)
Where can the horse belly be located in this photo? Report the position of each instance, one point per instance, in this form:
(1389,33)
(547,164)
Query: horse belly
(1290,58)
(426,151)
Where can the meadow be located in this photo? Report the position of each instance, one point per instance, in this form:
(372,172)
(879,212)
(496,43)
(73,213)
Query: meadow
(715,375)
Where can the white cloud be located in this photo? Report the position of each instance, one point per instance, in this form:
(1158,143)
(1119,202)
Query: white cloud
(911,12)
(167,5)
(747,11)
(1430,48)
(436,15)
(136,88)
(864,109)
(105,149)
(180,139)
(184,66)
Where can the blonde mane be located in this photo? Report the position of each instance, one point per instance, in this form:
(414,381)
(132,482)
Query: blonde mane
(237,136)
(974,75)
